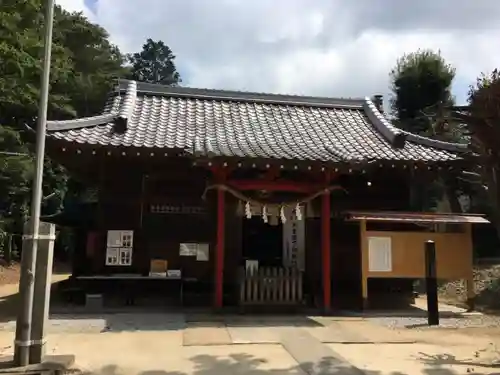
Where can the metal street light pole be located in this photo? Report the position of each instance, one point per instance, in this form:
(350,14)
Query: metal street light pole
(28,262)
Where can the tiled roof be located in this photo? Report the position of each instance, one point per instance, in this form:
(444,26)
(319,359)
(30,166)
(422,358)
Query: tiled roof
(249,125)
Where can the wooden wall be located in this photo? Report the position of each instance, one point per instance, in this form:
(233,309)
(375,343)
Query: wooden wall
(126,196)
(128,189)
(453,254)
(119,208)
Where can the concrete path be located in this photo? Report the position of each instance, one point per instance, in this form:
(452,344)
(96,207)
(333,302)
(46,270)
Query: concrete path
(202,334)
(159,344)
(313,357)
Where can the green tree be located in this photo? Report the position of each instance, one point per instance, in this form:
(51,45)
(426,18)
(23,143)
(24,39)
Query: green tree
(421,83)
(482,118)
(154,64)
(84,64)
(16,167)
(95,63)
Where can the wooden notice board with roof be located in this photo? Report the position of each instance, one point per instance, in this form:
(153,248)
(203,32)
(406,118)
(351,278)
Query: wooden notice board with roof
(389,253)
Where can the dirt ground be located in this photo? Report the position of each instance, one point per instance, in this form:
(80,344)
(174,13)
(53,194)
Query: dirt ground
(9,274)
(9,287)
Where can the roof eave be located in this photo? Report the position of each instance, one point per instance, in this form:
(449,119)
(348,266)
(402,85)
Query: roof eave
(86,122)
(416,217)
(398,137)
(118,118)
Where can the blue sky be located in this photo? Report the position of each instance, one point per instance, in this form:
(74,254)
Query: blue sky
(332,48)
(460,90)
(91,4)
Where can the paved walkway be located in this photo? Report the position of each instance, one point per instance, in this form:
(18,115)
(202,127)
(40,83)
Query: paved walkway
(175,344)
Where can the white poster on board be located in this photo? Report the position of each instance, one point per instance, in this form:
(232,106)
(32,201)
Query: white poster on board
(202,253)
(379,254)
(114,238)
(188,249)
(294,244)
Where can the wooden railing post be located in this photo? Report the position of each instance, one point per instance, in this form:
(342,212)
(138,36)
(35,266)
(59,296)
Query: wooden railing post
(271,286)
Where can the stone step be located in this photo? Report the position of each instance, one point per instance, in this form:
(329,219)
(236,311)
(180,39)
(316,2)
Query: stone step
(375,334)
(255,335)
(337,333)
(314,357)
(205,334)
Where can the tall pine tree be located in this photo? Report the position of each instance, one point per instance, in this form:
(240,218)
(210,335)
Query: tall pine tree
(154,64)
(421,84)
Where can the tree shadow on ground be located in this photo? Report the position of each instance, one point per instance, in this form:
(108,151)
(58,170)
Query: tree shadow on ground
(155,320)
(8,307)
(245,364)
(436,360)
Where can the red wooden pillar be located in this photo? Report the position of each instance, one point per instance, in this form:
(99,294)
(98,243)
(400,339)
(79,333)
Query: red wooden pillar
(325,249)
(219,250)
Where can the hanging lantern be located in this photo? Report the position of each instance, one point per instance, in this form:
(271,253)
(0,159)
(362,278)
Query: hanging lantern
(248,211)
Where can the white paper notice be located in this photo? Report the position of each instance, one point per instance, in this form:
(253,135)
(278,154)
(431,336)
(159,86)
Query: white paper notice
(188,249)
(202,252)
(112,258)
(379,254)
(114,238)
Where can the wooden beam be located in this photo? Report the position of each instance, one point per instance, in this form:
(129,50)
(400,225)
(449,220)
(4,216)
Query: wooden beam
(219,256)
(278,185)
(364,262)
(272,173)
(325,250)
(220,172)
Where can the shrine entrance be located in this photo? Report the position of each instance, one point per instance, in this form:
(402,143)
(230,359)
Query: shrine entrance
(277,241)
(263,242)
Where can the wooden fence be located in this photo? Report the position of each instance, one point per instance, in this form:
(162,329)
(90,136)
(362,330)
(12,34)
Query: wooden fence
(271,286)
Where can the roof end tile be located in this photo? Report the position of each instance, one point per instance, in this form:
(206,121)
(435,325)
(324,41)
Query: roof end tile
(127,107)
(392,134)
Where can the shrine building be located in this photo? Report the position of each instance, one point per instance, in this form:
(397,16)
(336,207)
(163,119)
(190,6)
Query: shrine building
(251,199)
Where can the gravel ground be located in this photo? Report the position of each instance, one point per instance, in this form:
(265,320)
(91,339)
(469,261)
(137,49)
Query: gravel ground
(78,323)
(480,321)
(67,323)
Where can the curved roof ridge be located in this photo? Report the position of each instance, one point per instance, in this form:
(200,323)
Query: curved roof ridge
(79,123)
(127,106)
(128,103)
(118,116)
(390,132)
(435,143)
(241,96)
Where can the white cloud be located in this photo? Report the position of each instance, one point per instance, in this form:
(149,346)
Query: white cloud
(76,6)
(321,47)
